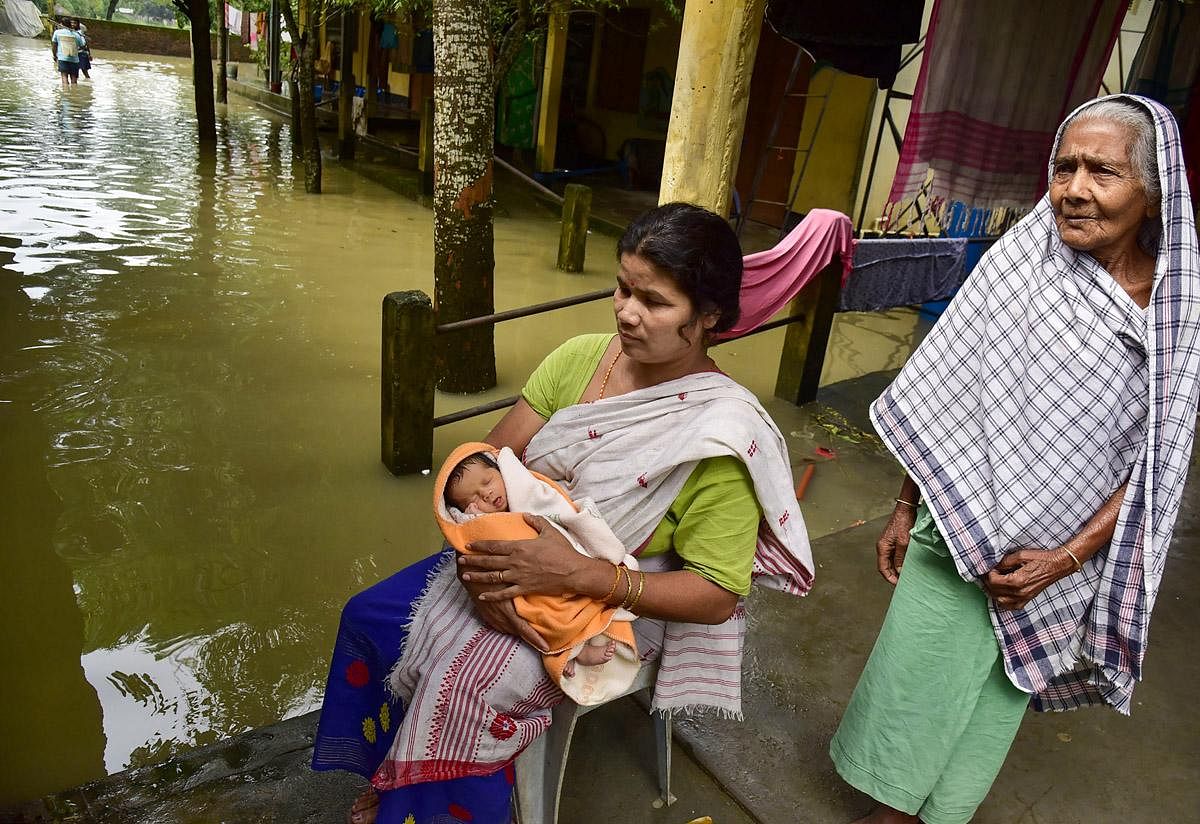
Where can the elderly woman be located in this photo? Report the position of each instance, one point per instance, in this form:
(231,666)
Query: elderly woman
(1046,427)
(684,465)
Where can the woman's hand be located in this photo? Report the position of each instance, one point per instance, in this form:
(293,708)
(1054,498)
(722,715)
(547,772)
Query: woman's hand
(502,615)
(892,545)
(1023,573)
(545,565)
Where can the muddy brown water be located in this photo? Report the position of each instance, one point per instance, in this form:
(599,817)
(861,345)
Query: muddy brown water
(189,401)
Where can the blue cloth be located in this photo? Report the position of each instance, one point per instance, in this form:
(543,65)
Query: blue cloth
(359,716)
(388,38)
(899,272)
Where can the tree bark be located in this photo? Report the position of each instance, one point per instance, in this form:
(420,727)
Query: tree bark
(222,56)
(346,89)
(289,21)
(464,257)
(304,107)
(112,7)
(202,75)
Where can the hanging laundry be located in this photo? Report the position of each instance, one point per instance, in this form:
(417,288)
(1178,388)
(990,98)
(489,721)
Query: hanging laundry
(772,278)
(1167,69)
(985,132)
(258,29)
(903,272)
(388,38)
(862,37)
(233,18)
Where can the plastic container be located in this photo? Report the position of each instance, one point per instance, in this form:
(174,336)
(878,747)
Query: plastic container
(318,92)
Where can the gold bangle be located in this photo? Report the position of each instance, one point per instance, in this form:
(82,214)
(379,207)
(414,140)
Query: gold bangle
(616,583)
(629,591)
(906,503)
(628,587)
(1078,566)
(641,587)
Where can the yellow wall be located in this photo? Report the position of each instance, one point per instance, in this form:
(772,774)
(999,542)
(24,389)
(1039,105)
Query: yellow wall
(398,83)
(830,178)
(662,50)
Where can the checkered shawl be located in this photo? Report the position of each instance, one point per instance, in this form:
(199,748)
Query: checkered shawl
(632,454)
(1040,391)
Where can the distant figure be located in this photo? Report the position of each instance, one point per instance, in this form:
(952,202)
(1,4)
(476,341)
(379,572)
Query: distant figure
(66,44)
(85,49)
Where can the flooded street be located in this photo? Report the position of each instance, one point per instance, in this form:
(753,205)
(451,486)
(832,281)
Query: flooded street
(189,410)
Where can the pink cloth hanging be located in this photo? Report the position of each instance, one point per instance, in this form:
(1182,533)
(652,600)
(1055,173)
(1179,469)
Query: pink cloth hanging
(772,278)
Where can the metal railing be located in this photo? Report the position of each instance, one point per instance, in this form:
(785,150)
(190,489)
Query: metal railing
(409,328)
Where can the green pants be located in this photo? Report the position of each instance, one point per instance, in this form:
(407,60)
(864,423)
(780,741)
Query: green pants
(933,716)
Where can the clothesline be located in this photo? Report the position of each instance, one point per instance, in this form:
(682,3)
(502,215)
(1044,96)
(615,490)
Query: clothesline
(250,26)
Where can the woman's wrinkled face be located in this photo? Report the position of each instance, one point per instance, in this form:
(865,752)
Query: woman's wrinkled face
(1099,202)
(651,310)
(480,490)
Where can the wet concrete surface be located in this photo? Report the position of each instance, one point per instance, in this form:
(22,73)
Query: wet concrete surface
(802,659)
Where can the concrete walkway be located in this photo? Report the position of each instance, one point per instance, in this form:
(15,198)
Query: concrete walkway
(802,660)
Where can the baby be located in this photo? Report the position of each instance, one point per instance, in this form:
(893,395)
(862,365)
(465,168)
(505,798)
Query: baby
(476,487)
(480,494)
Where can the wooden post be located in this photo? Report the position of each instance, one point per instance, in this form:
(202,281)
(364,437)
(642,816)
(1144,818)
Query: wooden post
(425,156)
(346,87)
(708,112)
(572,243)
(804,346)
(406,423)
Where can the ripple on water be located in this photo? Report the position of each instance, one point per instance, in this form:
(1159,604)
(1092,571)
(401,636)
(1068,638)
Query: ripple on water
(194,394)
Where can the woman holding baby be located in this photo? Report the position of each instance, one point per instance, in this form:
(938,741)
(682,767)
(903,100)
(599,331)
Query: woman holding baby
(683,465)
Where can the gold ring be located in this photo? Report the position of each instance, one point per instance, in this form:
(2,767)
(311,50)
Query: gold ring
(500,576)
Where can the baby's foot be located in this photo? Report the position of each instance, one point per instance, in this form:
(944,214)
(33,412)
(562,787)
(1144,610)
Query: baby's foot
(590,656)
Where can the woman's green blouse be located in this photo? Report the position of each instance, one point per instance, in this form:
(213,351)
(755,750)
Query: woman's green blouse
(713,523)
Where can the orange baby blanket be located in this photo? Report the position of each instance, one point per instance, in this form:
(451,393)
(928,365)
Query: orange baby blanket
(565,622)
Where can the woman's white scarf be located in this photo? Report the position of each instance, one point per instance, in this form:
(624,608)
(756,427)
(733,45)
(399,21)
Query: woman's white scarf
(474,698)
(632,454)
(1000,417)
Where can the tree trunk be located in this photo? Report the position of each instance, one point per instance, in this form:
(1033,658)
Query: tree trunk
(289,20)
(463,255)
(202,75)
(222,56)
(310,142)
(112,7)
(346,89)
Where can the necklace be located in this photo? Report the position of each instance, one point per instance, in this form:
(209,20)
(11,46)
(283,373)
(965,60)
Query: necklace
(607,375)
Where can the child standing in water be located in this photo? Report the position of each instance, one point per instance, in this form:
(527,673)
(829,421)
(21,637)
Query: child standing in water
(66,44)
(85,49)
(482,482)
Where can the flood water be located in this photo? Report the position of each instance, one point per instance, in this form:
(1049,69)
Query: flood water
(190,484)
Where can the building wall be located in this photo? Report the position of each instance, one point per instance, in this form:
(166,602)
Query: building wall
(110,35)
(662,51)
(831,177)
